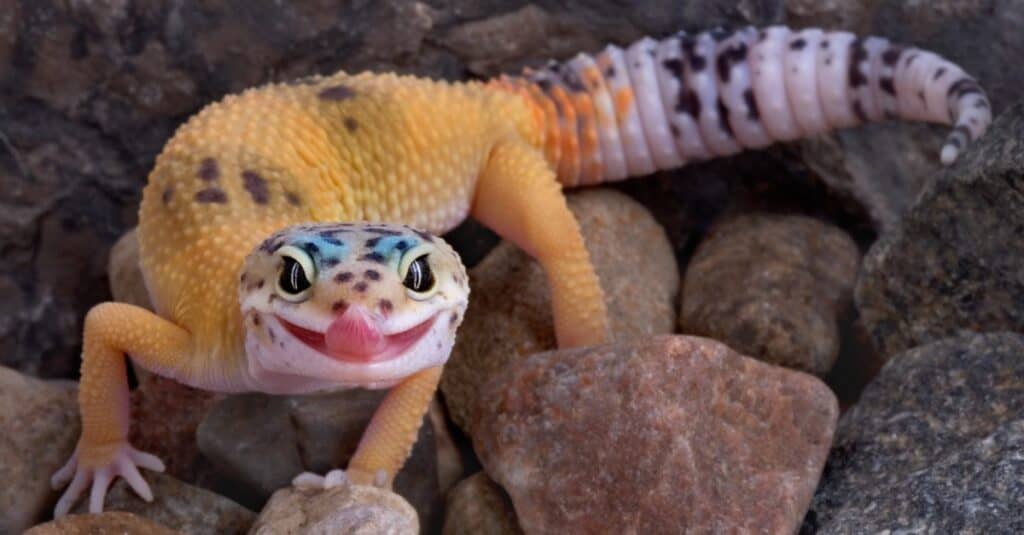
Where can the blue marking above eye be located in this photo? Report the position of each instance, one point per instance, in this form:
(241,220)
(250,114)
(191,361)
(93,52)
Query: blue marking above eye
(387,246)
(326,251)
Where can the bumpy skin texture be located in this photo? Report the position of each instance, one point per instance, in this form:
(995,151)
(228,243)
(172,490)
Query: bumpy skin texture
(380,147)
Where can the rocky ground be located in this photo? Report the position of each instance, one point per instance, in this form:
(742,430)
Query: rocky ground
(860,365)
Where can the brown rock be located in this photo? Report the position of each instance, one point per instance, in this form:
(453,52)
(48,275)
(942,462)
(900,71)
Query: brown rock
(126,282)
(478,505)
(648,436)
(772,287)
(110,522)
(39,428)
(179,506)
(509,315)
(343,510)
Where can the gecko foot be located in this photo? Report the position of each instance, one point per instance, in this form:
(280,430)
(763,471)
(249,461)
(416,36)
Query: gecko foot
(338,478)
(123,461)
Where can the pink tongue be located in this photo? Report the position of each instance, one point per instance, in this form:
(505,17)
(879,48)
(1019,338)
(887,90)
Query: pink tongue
(354,336)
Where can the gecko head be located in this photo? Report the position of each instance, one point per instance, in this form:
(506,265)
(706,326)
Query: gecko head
(354,304)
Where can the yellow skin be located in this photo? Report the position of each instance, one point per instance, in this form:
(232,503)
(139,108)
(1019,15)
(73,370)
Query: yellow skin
(344,148)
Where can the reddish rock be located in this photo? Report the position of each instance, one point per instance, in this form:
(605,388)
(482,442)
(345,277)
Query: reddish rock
(478,505)
(110,522)
(655,435)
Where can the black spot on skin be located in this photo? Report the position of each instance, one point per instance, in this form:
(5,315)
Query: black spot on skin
(955,141)
(728,58)
(337,93)
(697,63)
(573,82)
(256,321)
(329,262)
(351,125)
(259,285)
(858,110)
(454,318)
(798,44)
(372,275)
(360,286)
(423,235)
(674,66)
(723,118)
(752,112)
(402,245)
(688,102)
(167,195)
(824,44)
(857,55)
(891,56)
(343,277)
(544,84)
(674,129)
(271,334)
(382,231)
(920,95)
(208,170)
(887,85)
(962,88)
(610,72)
(371,243)
(938,73)
(719,34)
(372,257)
(211,195)
(911,58)
(243,278)
(331,240)
(292,198)
(338,305)
(386,306)
(828,60)
(981,104)
(256,186)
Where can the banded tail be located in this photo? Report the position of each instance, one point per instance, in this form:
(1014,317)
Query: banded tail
(660,104)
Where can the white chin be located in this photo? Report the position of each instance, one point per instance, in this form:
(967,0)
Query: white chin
(297,368)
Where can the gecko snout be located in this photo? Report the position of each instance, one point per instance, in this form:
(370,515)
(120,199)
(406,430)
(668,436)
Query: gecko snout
(355,332)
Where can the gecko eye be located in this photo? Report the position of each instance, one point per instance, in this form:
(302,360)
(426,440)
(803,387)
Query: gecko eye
(419,278)
(296,270)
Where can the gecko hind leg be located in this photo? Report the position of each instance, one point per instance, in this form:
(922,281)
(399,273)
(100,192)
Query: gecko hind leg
(518,197)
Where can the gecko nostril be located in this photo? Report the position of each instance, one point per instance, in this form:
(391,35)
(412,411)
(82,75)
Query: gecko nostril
(339,306)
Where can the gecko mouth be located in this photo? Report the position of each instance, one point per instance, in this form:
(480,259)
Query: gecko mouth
(394,345)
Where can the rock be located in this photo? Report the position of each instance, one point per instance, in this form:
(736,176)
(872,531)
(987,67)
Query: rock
(178,506)
(885,166)
(110,522)
(652,435)
(933,446)
(344,510)
(772,287)
(954,264)
(479,505)
(509,315)
(39,428)
(314,433)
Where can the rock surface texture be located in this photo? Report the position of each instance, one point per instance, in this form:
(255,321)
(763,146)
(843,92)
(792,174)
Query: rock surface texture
(956,263)
(39,428)
(478,505)
(344,510)
(178,506)
(652,435)
(509,315)
(772,287)
(258,443)
(113,522)
(933,446)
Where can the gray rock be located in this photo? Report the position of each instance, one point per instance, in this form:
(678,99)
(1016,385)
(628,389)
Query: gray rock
(343,510)
(933,446)
(956,263)
(509,315)
(772,287)
(259,443)
(478,505)
(650,435)
(178,506)
(39,428)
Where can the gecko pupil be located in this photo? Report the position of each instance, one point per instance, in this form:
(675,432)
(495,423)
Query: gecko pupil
(419,278)
(293,277)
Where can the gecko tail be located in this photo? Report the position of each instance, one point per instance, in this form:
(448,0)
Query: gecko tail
(658,104)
